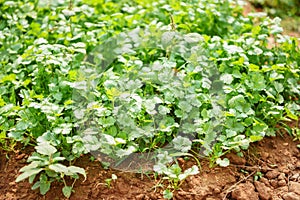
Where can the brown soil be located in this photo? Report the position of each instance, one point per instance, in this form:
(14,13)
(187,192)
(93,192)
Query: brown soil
(276,158)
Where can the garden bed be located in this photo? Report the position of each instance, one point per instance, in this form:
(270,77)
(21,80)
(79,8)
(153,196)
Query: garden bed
(193,85)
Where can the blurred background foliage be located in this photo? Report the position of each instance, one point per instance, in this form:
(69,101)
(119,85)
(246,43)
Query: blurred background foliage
(288,10)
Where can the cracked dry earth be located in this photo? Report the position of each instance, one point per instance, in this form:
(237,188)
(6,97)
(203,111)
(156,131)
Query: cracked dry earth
(269,170)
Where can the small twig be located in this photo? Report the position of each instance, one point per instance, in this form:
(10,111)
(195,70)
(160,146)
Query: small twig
(253,167)
(6,165)
(288,182)
(267,163)
(189,193)
(70,4)
(97,184)
(173,26)
(237,183)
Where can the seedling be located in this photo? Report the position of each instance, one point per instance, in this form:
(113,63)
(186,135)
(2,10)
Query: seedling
(109,180)
(45,164)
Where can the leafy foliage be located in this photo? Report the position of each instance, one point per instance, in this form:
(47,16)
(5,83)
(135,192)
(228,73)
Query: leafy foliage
(121,78)
(288,10)
(282,8)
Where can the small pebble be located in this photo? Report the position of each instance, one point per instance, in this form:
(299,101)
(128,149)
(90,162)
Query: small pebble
(20,156)
(274,183)
(272,174)
(291,196)
(281,176)
(181,161)
(286,171)
(265,155)
(140,196)
(281,183)
(12,183)
(291,166)
(295,177)
(298,164)
(294,187)
(265,181)
(217,190)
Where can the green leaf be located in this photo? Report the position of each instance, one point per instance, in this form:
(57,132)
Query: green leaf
(59,168)
(44,187)
(223,162)
(190,171)
(36,185)
(31,178)
(182,144)
(32,165)
(255,138)
(45,149)
(21,125)
(79,170)
(67,191)
(258,81)
(185,106)
(114,177)
(227,78)
(28,173)
(279,87)
(52,174)
(168,194)
(57,159)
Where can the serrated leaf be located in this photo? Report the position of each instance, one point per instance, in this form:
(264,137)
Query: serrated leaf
(223,162)
(227,78)
(182,176)
(168,194)
(181,143)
